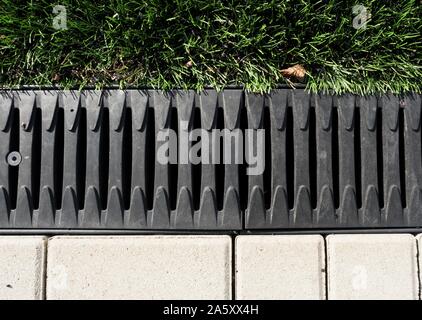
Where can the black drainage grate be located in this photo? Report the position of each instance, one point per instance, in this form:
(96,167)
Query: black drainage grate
(91,160)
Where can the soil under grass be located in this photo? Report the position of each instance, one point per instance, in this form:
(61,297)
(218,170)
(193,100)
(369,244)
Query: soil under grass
(195,43)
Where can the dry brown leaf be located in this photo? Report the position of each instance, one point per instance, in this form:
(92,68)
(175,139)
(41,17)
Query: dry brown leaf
(56,77)
(297,71)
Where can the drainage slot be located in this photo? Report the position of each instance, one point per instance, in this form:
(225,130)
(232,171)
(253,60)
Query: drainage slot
(312,158)
(150,157)
(402,159)
(36,157)
(357,152)
(243,177)
(127,157)
(173,167)
(267,155)
(14,147)
(335,157)
(380,162)
(58,156)
(81,158)
(219,167)
(197,168)
(104,152)
(290,158)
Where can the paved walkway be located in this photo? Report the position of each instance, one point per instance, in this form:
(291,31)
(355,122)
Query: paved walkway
(211,267)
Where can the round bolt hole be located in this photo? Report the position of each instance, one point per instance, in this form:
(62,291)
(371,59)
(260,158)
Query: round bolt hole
(72,110)
(14,158)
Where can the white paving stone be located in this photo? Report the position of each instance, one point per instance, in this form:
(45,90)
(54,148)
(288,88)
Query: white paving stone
(382,266)
(139,267)
(22,261)
(280,267)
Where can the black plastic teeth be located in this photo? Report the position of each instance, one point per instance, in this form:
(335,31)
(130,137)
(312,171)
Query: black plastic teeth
(88,160)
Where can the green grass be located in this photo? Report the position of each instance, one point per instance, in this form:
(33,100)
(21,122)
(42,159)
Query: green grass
(196,43)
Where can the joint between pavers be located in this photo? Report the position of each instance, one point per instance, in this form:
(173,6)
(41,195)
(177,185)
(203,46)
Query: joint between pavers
(418,269)
(233,265)
(44,273)
(326,268)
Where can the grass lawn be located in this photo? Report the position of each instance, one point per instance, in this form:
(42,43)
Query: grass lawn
(196,43)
